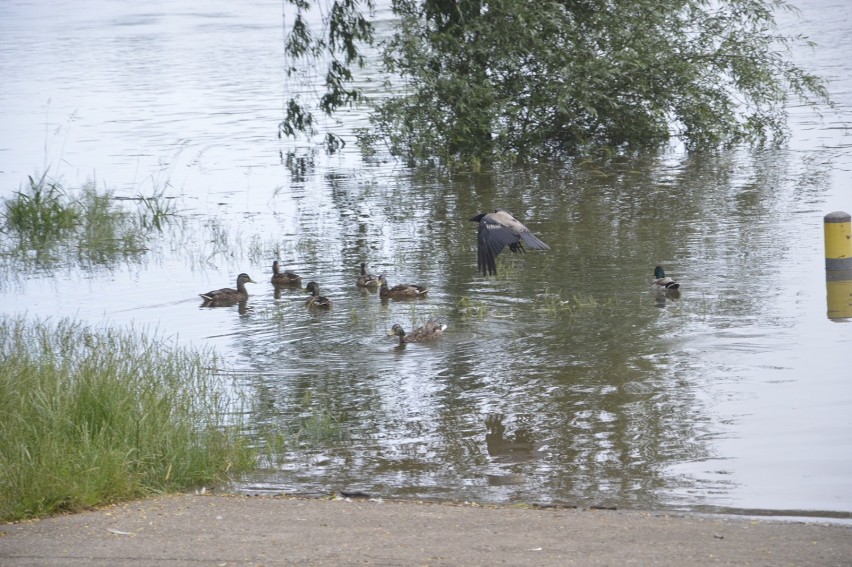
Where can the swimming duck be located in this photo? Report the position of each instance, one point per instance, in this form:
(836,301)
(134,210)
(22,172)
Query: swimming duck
(662,282)
(316,300)
(284,278)
(496,231)
(227,295)
(366,279)
(428,332)
(401,291)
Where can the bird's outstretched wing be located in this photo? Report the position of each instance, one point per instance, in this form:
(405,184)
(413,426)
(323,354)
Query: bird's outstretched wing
(498,230)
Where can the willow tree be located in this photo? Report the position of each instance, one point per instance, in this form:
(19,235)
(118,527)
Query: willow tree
(487,79)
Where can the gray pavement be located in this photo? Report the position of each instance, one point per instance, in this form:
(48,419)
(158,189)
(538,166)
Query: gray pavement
(194,530)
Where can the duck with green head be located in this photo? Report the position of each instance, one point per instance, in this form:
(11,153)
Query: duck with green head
(316,301)
(227,295)
(662,282)
(429,332)
(285,278)
(400,291)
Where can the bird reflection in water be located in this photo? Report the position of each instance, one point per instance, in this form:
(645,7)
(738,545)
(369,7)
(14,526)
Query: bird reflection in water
(518,447)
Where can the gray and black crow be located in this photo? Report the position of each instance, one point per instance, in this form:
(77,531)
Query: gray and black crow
(496,231)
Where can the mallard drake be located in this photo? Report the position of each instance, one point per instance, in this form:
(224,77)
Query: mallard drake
(284,278)
(366,279)
(496,231)
(662,282)
(227,295)
(401,291)
(316,300)
(428,332)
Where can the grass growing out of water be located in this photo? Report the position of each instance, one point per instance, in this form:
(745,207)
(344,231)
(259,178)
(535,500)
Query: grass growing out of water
(157,211)
(42,214)
(90,417)
(47,223)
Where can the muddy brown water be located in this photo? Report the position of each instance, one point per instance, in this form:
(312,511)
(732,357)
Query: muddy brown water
(562,380)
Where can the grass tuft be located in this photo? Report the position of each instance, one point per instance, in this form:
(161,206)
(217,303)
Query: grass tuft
(90,417)
(46,224)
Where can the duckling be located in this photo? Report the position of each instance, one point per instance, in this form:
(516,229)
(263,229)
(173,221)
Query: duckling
(226,295)
(284,278)
(429,332)
(316,300)
(366,279)
(496,230)
(663,283)
(401,291)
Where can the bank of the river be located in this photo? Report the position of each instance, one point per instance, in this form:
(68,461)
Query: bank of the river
(237,530)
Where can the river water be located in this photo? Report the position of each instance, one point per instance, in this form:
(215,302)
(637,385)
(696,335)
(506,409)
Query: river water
(563,380)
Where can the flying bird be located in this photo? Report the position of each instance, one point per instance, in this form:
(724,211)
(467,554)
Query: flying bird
(496,231)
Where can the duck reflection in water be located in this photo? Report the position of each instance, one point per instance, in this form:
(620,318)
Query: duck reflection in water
(519,447)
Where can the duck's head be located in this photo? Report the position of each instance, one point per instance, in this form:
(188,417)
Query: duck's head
(659,272)
(312,288)
(397,331)
(244,279)
(382,281)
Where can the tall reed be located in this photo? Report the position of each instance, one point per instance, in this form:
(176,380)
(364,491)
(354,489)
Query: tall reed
(92,416)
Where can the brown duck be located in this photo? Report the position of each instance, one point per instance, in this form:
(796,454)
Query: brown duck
(401,291)
(284,278)
(227,295)
(366,279)
(429,332)
(316,300)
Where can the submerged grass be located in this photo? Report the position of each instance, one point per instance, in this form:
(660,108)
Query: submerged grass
(90,417)
(554,304)
(319,422)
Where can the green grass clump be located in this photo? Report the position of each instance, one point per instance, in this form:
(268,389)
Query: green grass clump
(41,215)
(46,223)
(90,417)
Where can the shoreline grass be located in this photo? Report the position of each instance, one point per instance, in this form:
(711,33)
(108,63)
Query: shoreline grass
(95,416)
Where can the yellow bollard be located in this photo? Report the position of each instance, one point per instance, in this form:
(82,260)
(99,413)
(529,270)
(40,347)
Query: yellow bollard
(838,241)
(838,264)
